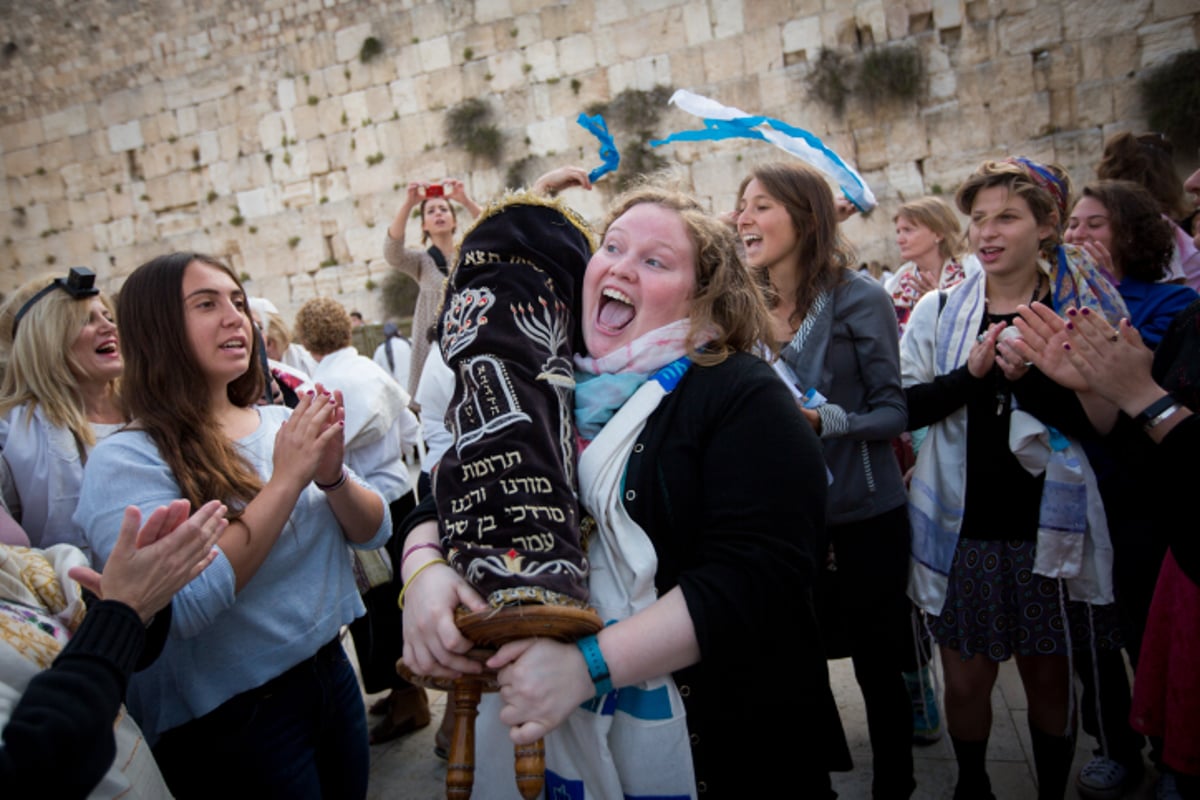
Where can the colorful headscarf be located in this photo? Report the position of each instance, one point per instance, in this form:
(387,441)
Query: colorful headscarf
(1048,182)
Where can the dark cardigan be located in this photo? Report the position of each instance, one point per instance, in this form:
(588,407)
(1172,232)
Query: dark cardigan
(729,482)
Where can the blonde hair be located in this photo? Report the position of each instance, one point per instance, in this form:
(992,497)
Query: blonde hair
(40,369)
(323,326)
(728,312)
(936,215)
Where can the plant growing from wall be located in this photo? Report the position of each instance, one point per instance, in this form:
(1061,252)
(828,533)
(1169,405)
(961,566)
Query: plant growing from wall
(1171,99)
(877,76)
(889,73)
(829,80)
(469,126)
(371,47)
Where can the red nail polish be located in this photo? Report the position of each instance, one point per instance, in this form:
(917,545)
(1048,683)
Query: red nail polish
(1085,311)
(1070,326)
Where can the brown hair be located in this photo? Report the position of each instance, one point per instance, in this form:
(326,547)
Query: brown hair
(727,302)
(1148,159)
(937,215)
(1142,241)
(453,214)
(161,379)
(806,195)
(323,326)
(1018,180)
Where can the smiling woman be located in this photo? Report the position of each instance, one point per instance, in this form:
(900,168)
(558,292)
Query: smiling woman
(59,395)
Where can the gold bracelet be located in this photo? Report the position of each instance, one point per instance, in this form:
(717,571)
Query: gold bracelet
(411,578)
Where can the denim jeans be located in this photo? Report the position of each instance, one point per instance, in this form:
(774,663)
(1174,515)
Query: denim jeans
(301,735)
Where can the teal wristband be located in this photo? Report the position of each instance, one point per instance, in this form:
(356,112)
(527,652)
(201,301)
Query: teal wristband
(597,667)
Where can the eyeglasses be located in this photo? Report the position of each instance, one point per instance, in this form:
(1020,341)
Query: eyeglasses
(79,283)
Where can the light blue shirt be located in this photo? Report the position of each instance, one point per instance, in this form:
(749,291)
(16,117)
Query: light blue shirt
(223,643)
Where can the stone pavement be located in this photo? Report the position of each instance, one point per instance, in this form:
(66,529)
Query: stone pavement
(406,769)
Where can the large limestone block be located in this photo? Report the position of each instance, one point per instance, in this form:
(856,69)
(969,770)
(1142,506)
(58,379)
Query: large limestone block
(177,223)
(906,140)
(22,162)
(507,68)
(1163,40)
(260,202)
(434,54)
(1014,120)
(1084,20)
(954,128)
(89,210)
(870,16)
(644,74)
(1057,67)
(64,123)
(347,42)
(332,187)
(271,130)
(727,18)
(161,159)
(289,164)
(488,11)
(542,58)
(1036,29)
(1009,76)
(126,136)
(247,172)
(567,19)
(576,53)
(549,136)
(1110,56)
(1093,103)
(171,191)
(366,179)
(802,37)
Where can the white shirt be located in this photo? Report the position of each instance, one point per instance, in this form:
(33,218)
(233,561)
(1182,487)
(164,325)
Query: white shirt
(433,395)
(401,358)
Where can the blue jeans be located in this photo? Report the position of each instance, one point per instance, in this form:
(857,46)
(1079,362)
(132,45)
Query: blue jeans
(301,735)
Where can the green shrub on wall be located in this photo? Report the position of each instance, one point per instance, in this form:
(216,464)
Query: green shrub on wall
(877,76)
(1171,100)
(469,126)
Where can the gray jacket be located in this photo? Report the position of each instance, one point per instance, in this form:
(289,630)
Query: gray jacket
(850,352)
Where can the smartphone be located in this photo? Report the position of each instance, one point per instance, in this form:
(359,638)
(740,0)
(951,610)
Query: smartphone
(434,190)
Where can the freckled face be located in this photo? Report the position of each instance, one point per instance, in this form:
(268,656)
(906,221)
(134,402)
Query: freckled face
(642,277)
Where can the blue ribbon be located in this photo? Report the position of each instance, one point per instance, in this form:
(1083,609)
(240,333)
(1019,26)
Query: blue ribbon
(608,149)
(745,128)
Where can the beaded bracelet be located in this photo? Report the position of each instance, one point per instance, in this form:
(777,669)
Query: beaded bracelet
(411,578)
(597,666)
(415,548)
(329,487)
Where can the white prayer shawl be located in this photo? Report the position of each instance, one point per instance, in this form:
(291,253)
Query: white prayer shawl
(936,341)
(633,741)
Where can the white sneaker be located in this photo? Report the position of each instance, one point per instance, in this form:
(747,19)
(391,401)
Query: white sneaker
(1101,779)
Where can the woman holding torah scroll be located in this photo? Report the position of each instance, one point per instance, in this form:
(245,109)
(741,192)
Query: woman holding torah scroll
(708,491)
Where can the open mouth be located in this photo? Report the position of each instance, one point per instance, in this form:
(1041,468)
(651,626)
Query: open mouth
(107,349)
(616,309)
(234,344)
(751,238)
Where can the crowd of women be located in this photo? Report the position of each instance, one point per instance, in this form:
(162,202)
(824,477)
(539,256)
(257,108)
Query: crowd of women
(781,461)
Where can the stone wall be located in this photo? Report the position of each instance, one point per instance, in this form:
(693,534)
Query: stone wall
(252,129)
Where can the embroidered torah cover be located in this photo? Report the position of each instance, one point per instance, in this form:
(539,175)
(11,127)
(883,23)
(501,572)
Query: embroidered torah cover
(506,490)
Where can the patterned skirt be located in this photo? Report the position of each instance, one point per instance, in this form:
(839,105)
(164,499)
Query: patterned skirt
(997,606)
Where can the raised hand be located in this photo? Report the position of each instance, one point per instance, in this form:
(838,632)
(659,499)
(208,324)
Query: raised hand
(303,443)
(1114,362)
(1043,334)
(148,566)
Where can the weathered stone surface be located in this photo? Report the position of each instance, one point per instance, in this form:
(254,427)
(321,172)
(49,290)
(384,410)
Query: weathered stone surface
(155,135)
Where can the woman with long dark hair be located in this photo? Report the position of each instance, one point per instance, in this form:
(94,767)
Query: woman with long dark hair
(252,677)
